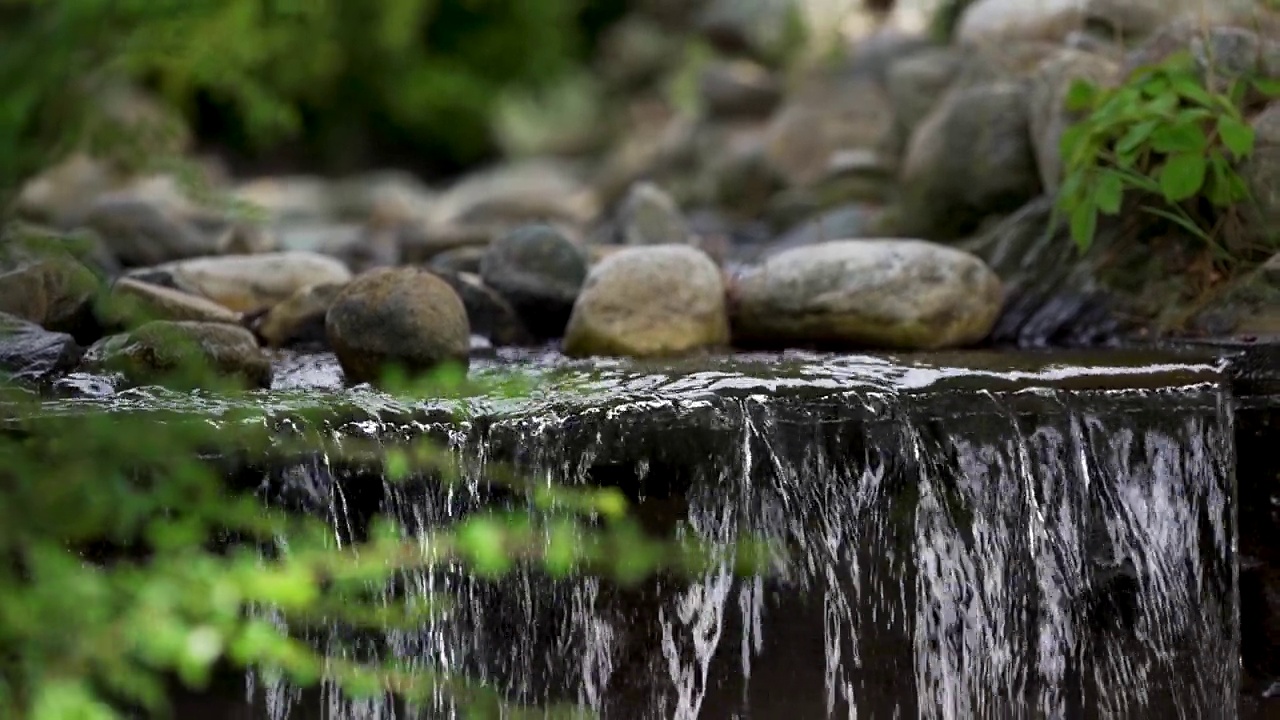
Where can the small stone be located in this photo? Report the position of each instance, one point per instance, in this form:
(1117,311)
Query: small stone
(132,302)
(300,319)
(884,294)
(141,233)
(247,239)
(657,300)
(491,317)
(460,260)
(30,353)
(183,354)
(406,317)
(247,283)
(539,271)
(736,89)
(649,216)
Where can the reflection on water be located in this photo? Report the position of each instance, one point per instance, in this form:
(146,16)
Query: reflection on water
(1033,552)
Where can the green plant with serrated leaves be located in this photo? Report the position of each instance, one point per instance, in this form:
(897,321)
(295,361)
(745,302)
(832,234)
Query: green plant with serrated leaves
(1163,137)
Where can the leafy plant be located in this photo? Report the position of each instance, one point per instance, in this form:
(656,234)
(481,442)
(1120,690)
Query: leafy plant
(1164,136)
(128,559)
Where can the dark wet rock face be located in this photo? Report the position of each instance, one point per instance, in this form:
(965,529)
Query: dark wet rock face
(30,353)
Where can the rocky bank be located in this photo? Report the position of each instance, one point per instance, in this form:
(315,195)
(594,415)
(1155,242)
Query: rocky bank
(896,198)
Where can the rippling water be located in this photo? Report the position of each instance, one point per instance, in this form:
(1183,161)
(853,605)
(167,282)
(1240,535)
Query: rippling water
(964,537)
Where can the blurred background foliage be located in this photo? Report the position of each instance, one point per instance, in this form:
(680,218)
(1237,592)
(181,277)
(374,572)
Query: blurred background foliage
(322,84)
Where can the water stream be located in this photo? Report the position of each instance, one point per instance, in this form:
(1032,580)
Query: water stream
(964,538)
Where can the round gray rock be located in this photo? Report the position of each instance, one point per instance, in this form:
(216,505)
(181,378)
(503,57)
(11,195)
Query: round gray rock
(540,272)
(658,300)
(404,316)
(891,294)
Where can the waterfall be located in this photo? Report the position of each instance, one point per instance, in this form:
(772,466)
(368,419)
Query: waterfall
(1034,551)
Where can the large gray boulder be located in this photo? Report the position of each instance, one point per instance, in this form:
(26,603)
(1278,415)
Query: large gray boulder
(970,159)
(405,317)
(888,294)
(658,300)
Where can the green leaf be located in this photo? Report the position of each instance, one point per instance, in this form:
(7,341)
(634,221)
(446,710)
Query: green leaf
(1108,193)
(1236,135)
(1084,224)
(1137,135)
(1081,95)
(1267,86)
(1190,88)
(1182,176)
(1183,137)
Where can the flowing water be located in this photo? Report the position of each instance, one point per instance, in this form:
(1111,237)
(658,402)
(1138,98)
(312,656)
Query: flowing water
(961,538)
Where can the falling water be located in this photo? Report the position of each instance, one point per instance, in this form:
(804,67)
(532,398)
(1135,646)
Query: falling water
(973,550)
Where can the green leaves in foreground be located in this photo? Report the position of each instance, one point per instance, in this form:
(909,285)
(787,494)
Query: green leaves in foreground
(128,561)
(1161,135)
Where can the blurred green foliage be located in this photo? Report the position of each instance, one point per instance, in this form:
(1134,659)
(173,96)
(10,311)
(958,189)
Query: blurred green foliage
(128,560)
(418,75)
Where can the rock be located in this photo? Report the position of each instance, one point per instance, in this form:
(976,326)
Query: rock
(831,115)
(421,244)
(241,238)
(43,283)
(766,30)
(842,223)
(391,194)
(247,283)
(62,194)
(889,294)
(289,199)
(379,244)
(131,303)
(990,21)
(739,88)
(319,237)
(1049,117)
(300,320)
(657,300)
(636,51)
(461,259)
(1053,296)
(528,191)
(649,216)
(539,271)
(30,353)
(140,233)
(183,354)
(407,317)
(971,158)
(489,314)
(1261,173)
(915,84)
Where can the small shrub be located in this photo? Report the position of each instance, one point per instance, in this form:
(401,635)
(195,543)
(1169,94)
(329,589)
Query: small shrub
(1163,136)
